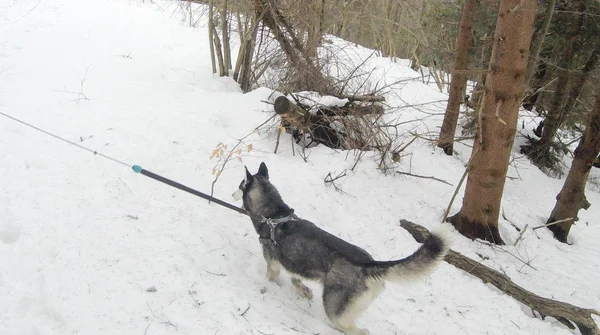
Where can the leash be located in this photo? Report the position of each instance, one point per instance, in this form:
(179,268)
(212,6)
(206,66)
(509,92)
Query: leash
(138,169)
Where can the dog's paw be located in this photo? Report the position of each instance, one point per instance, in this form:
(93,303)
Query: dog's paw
(303,290)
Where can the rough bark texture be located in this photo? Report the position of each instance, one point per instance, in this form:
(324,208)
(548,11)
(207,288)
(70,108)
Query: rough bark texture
(572,196)
(478,217)
(556,116)
(563,312)
(539,41)
(459,78)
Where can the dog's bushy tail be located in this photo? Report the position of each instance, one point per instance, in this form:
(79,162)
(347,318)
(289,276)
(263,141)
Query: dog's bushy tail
(421,263)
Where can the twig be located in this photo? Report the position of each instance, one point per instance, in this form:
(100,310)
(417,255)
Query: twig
(462,179)
(217,174)
(146,330)
(298,330)
(521,235)
(495,247)
(80,94)
(191,293)
(216,274)
(553,223)
(245,311)
(424,177)
(330,179)
(407,144)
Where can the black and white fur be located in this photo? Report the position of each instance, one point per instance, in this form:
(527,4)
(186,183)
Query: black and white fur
(351,278)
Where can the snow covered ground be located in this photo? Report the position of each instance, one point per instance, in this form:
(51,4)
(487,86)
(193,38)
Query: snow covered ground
(89,247)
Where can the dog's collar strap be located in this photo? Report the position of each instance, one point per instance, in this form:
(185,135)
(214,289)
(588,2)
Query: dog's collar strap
(290,217)
(272,223)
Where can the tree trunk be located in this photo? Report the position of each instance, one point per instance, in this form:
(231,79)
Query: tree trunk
(580,81)
(459,78)
(555,115)
(248,28)
(315,33)
(248,56)
(477,94)
(225,32)
(218,51)
(539,41)
(572,196)
(210,36)
(478,217)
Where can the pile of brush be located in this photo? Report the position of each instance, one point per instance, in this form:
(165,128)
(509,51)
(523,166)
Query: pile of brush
(339,123)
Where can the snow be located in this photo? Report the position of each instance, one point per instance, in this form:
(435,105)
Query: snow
(84,240)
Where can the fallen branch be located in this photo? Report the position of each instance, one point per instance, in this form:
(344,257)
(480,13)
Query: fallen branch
(424,177)
(563,312)
(553,223)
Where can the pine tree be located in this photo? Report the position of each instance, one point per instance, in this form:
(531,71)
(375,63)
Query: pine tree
(478,217)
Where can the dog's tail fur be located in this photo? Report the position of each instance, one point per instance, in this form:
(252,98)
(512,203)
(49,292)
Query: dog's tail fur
(421,263)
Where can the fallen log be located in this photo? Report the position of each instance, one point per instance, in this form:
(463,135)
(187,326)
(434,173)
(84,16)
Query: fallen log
(351,110)
(366,98)
(562,311)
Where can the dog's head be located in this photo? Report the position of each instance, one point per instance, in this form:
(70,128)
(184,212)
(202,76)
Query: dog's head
(259,196)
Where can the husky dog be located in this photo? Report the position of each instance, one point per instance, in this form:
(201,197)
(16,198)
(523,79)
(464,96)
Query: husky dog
(351,278)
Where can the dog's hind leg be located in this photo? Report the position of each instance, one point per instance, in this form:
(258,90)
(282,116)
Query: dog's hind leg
(343,304)
(303,290)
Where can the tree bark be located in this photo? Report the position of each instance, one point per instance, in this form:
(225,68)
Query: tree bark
(459,79)
(226,43)
(563,312)
(210,36)
(555,116)
(580,81)
(218,51)
(249,45)
(477,94)
(478,216)
(572,195)
(539,41)
(315,33)
(248,29)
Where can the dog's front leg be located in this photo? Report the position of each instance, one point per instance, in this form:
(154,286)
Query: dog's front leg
(273,270)
(273,265)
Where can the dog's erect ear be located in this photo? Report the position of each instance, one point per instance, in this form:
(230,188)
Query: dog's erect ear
(248,175)
(263,171)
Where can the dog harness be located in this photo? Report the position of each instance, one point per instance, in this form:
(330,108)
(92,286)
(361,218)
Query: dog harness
(272,224)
